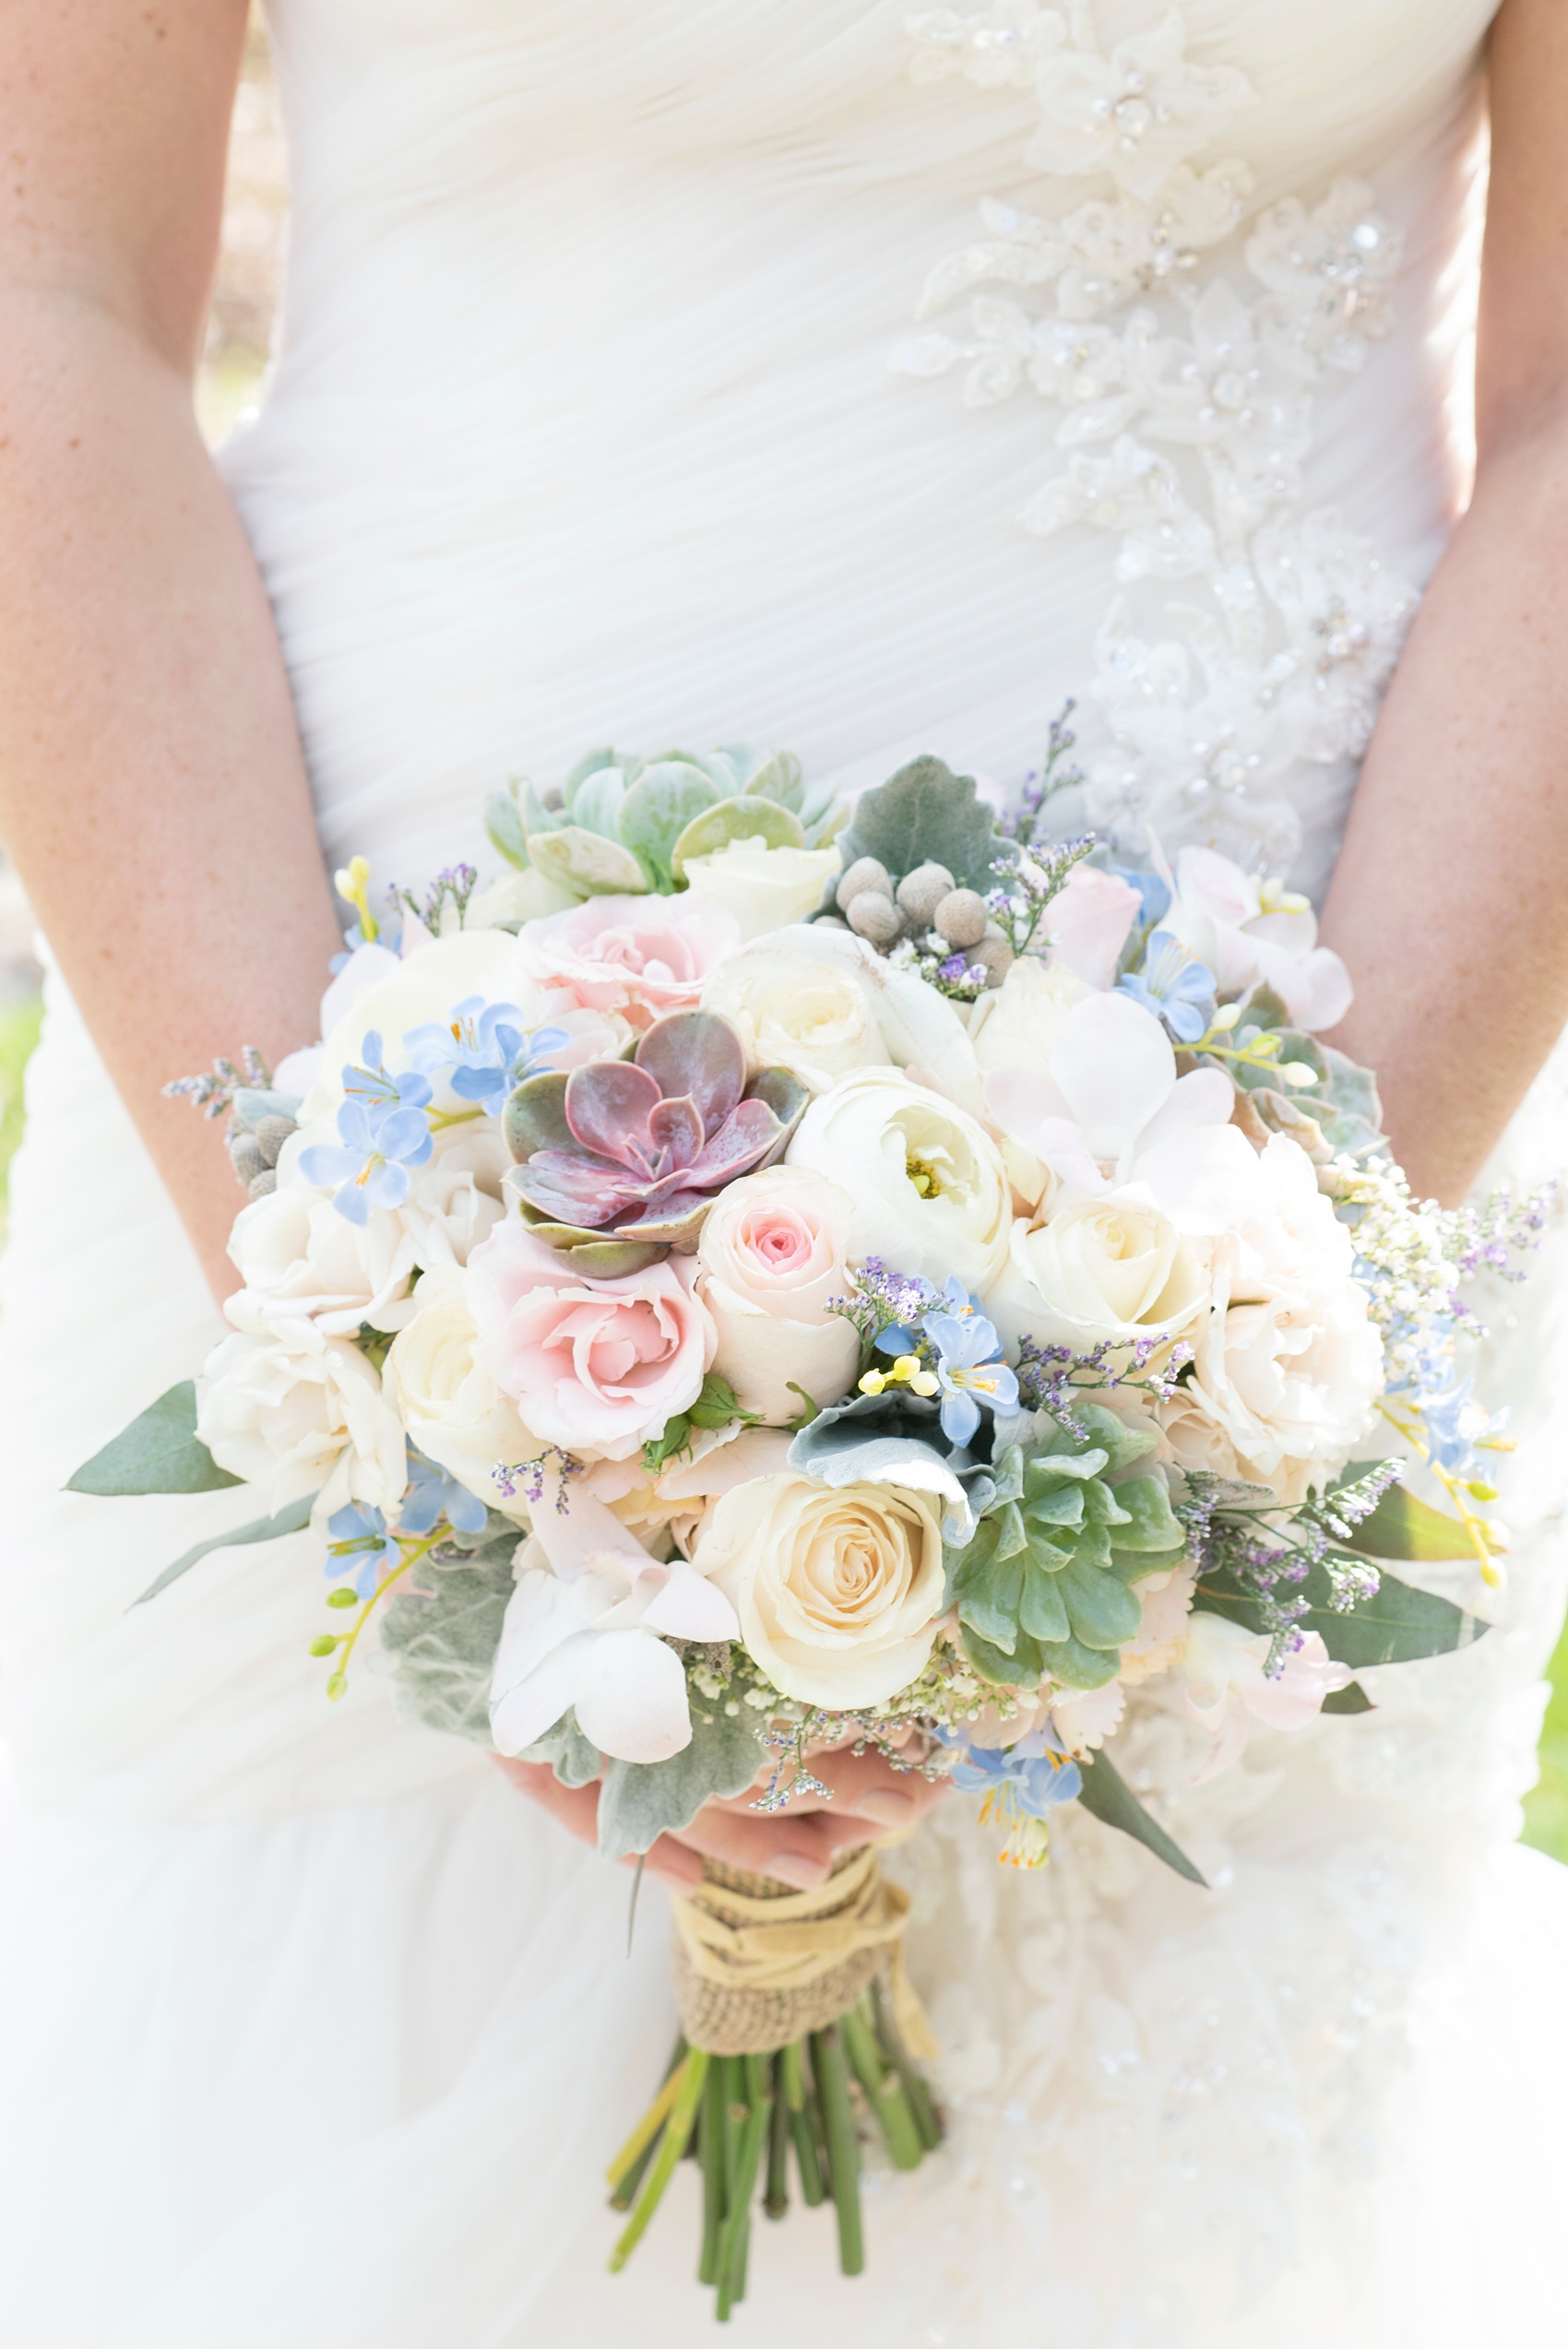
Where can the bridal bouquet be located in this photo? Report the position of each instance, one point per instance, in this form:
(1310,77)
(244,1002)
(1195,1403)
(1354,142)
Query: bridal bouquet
(763,1275)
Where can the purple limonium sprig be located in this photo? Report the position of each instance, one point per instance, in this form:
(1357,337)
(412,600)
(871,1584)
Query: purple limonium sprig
(1053,1378)
(361,1550)
(485,1050)
(527,1479)
(1174,986)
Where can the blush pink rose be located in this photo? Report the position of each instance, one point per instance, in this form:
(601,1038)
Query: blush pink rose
(641,957)
(602,1363)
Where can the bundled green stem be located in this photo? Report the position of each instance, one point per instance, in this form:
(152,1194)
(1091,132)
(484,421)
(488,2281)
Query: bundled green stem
(750,2119)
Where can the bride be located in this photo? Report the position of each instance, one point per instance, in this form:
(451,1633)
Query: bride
(312,2028)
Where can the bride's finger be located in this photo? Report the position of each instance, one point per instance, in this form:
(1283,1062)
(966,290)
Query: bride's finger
(576,1809)
(799,1848)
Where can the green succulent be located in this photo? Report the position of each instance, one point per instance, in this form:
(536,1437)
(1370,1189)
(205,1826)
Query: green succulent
(1044,1587)
(628,826)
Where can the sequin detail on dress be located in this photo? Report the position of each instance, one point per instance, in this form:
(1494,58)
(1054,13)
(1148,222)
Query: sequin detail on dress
(1184,410)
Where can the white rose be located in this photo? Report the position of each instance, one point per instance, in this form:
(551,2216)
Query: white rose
(763,888)
(797,1011)
(1101,1270)
(1014,1026)
(929,1190)
(451,1406)
(770,1257)
(424,987)
(1288,1363)
(838,1592)
(517,896)
(297,1255)
(291,1409)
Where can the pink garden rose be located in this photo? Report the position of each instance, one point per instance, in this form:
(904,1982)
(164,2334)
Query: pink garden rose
(595,1366)
(641,957)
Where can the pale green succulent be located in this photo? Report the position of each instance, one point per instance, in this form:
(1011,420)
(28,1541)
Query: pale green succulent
(628,826)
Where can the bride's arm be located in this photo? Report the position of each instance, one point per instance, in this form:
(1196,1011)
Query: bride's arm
(1450,903)
(152,792)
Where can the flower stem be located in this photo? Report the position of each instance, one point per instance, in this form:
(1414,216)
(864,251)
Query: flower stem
(921,2102)
(775,2200)
(735,2240)
(713,2179)
(843,2152)
(651,2124)
(883,2090)
(693,2071)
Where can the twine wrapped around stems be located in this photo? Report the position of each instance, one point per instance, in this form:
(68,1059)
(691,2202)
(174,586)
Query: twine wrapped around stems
(758,1964)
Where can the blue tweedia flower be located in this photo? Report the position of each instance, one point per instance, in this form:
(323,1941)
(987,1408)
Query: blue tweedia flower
(1021,1785)
(1174,986)
(1455,1423)
(1154,896)
(370,1082)
(361,1548)
(969,1370)
(371,1166)
(432,1494)
(486,1049)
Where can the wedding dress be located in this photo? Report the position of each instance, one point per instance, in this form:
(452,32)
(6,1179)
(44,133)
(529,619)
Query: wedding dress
(603,412)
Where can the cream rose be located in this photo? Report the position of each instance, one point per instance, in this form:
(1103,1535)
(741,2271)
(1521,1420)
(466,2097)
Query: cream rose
(293,1410)
(770,1257)
(1101,1270)
(764,888)
(451,1406)
(930,1195)
(1288,1362)
(796,1011)
(838,1592)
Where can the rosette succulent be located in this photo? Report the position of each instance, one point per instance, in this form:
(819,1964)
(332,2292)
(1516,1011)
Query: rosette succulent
(1044,1587)
(620,1159)
(624,826)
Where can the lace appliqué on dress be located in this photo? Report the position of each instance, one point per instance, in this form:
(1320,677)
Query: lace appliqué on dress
(1184,410)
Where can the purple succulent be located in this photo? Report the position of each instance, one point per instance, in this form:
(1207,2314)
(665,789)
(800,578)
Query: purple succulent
(633,1151)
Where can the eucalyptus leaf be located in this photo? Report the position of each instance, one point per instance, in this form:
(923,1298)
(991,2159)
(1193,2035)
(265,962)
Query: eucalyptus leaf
(292,1520)
(1106,1796)
(1405,1526)
(924,815)
(160,1452)
(1397,1625)
(642,1800)
(1352,1698)
(504,823)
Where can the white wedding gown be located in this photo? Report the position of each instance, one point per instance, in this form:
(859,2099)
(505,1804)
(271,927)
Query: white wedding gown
(584,428)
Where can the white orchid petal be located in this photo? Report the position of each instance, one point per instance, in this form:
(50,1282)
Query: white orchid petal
(633,1704)
(1022,1102)
(1206,1179)
(524,1710)
(1202,1098)
(691,1607)
(1116,1069)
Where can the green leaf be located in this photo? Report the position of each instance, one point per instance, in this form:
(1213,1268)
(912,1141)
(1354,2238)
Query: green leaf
(673,1440)
(926,813)
(664,800)
(1108,1796)
(504,823)
(738,819)
(292,1520)
(1351,1699)
(639,1801)
(717,1404)
(1397,1625)
(588,861)
(160,1452)
(1404,1526)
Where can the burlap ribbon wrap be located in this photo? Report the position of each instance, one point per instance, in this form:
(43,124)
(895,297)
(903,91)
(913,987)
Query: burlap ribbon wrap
(758,1964)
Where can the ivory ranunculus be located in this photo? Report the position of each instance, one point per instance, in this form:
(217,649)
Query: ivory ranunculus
(763,888)
(1288,1362)
(798,1011)
(448,1400)
(1101,1270)
(640,956)
(838,1592)
(293,1410)
(770,1258)
(410,994)
(929,1191)
(598,1365)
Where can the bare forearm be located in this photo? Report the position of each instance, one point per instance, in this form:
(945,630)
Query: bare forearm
(1448,901)
(152,792)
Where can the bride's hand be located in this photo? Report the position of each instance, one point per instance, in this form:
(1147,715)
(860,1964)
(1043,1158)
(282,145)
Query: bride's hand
(868,1798)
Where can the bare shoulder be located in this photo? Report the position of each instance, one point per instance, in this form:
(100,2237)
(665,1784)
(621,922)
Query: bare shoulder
(113,118)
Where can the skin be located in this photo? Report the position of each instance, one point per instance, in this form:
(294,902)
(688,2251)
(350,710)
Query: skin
(154,797)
